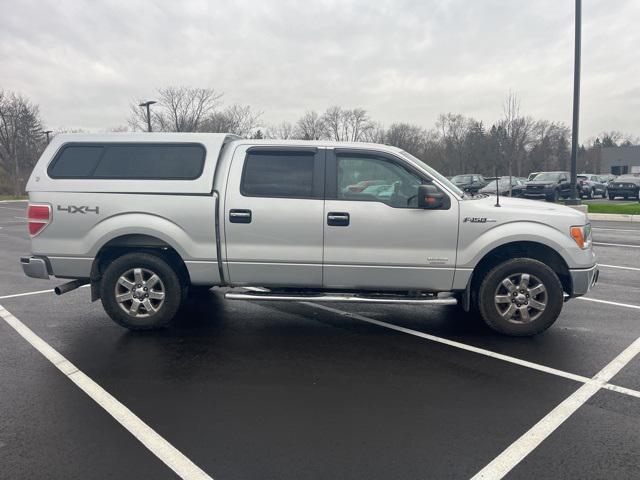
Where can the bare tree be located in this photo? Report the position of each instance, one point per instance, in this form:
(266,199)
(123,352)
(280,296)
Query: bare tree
(453,130)
(410,138)
(281,131)
(333,119)
(311,126)
(179,109)
(21,138)
(238,119)
(347,125)
(375,134)
(518,131)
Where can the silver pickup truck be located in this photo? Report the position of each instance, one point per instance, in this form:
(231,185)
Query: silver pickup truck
(145,218)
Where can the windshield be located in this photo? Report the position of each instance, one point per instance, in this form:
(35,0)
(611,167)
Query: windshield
(441,178)
(460,179)
(547,177)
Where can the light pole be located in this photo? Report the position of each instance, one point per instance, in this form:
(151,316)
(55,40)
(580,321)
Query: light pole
(573,199)
(47,132)
(147,104)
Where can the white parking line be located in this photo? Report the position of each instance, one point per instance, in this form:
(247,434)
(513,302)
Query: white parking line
(34,293)
(522,447)
(617,266)
(452,343)
(616,245)
(471,348)
(162,449)
(25,294)
(626,305)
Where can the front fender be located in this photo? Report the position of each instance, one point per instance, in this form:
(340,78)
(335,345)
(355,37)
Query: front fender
(471,249)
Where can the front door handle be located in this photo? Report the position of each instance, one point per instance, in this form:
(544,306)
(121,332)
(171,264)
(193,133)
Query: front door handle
(240,216)
(338,219)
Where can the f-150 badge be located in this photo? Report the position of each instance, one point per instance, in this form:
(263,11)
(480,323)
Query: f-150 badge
(478,220)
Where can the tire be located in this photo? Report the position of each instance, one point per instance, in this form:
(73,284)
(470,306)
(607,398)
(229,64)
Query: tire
(555,196)
(612,197)
(496,302)
(160,301)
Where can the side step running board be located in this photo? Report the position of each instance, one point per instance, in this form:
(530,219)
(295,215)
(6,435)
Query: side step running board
(272,297)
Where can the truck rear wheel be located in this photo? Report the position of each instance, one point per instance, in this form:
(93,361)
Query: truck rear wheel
(520,297)
(141,291)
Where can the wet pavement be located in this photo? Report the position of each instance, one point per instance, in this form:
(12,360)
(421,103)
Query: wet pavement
(293,391)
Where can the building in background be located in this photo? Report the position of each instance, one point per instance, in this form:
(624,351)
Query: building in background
(620,160)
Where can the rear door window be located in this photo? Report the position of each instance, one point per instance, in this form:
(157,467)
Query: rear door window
(281,174)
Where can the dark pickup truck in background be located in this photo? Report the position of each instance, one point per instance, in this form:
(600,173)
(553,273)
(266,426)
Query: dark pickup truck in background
(550,186)
(625,186)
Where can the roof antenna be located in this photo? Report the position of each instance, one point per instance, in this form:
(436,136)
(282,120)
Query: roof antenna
(497,190)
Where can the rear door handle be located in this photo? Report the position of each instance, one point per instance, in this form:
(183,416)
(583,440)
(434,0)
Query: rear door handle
(240,216)
(338,219)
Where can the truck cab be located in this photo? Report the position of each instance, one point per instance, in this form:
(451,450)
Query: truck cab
(146,218)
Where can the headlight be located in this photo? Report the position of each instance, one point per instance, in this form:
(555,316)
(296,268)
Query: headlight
(582,236)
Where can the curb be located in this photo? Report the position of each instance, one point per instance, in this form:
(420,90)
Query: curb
(615,217)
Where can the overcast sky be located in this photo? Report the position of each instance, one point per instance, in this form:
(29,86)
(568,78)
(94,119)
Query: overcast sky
(410,60)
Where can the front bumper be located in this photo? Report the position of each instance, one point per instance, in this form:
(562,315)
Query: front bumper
(542,193)
(583,279)
(620,192)
(34,267)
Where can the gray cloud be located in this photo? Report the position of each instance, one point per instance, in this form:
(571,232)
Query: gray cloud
(404,60)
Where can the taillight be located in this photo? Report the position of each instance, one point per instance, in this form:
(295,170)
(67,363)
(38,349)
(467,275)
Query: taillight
(38,216)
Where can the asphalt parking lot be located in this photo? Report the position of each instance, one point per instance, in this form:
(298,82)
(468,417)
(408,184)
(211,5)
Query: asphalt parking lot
(239,390)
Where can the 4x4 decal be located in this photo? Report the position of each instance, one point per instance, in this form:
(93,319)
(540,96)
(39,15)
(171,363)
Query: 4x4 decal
(81,209)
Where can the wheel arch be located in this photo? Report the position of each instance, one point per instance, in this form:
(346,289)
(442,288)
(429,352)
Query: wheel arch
(515,249)
(134,242)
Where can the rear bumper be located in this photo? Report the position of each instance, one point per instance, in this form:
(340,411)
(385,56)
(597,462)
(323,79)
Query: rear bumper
(35,267)
(583,279)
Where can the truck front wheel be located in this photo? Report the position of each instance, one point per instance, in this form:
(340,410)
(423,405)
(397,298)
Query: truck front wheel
(520,297)
(140,291)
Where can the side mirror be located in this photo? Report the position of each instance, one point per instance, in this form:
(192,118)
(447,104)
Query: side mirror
(430,198)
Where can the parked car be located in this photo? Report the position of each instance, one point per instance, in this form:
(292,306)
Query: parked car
(625,186)
(550,186)
(590,185)
(506,186)
(145,218)
(470,183)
